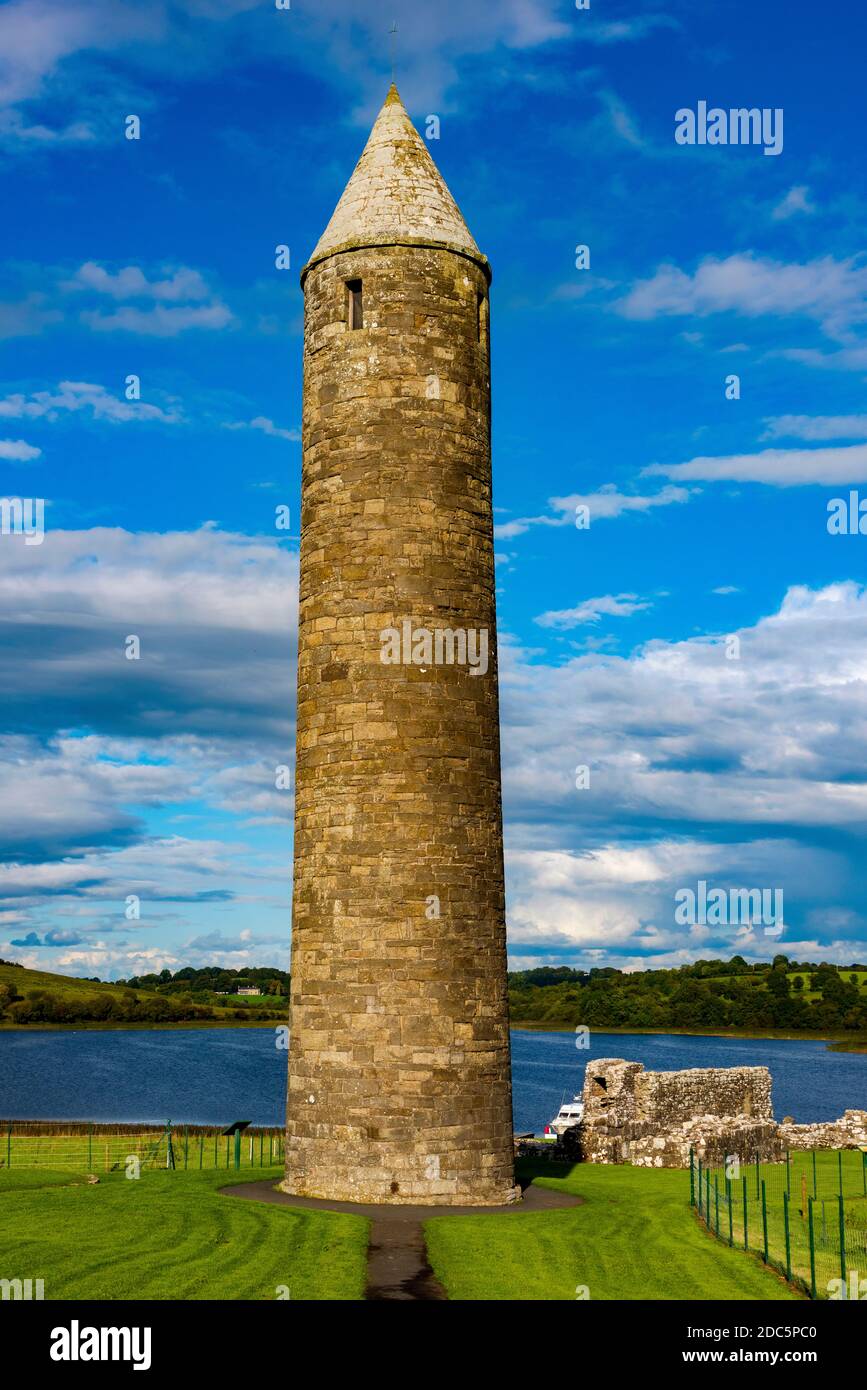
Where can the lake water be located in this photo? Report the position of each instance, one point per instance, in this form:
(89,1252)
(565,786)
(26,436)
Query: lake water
(215,1076)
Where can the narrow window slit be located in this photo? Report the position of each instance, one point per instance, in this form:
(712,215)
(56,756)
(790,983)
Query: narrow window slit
(356,306)
(482,318)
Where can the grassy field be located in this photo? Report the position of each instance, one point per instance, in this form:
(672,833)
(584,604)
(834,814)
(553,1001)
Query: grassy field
(634,1238)
(725,1204)
(172,1236)
(102,1151)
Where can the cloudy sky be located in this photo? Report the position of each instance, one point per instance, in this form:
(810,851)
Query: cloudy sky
(739,763)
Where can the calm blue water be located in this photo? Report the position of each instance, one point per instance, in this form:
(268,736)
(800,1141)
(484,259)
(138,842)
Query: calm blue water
(211,1076)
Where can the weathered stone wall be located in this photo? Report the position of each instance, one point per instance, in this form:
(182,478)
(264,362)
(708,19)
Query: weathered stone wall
(712,1138)
(652,1119)
(399,1075)
(673,1097)
(849,1132)
(609,1109)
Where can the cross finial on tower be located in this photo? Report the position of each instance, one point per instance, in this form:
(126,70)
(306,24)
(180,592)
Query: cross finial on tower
(393,33)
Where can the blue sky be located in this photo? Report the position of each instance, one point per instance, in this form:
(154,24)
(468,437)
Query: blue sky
(155,258)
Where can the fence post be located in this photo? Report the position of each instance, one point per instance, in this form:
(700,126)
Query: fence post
(764,1223)
(840,1172)
(716,1202)
(729,1201)
(9,1146)
(186,1145)
(746,1240)
(691,1176)
(788,1173)
(261,1145)
(815,1188)
(271,1150)
(843,1247)
(788,1243)
(810,1202)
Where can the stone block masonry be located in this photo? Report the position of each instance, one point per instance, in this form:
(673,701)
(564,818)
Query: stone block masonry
(654,1119)
(399,1065)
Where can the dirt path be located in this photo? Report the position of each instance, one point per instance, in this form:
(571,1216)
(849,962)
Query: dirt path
(397,1263)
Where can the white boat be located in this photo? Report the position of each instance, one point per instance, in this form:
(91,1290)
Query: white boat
(570,1114)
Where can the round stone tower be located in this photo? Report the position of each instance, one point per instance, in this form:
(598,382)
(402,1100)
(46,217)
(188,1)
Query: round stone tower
(399,1069)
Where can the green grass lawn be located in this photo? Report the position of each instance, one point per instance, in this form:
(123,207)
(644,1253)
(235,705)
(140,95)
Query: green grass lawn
(634,1238)
(172,1236)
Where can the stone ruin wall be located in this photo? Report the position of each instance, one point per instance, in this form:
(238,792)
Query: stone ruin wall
(654,1119)
(849,1132)
(678,1096)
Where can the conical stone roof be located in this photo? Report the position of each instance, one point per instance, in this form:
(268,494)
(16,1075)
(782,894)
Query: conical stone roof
(396,196)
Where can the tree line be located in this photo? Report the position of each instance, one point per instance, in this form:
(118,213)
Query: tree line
(709,994)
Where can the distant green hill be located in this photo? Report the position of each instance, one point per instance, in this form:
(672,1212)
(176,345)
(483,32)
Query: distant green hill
(707,996)
(38,997)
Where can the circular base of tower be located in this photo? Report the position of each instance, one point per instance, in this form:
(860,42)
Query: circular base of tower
(433,1194)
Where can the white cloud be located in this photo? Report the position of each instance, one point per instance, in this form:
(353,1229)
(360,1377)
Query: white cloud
(178,301)
(592,609)
(603,505)
(608,503)
(40,39)
(832,292)
(73,396)
(621,896)
(622,120)
(628,30)
(845,359)
(778,467)
(18,450)
(27,317)
(37,35)
(680,741)
(796,200)
(14,128)
(261,422)
(677,732)
(208,580)
(178,285)
(161,322)
(815,427)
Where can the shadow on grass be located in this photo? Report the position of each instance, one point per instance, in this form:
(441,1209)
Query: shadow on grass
(527,1170)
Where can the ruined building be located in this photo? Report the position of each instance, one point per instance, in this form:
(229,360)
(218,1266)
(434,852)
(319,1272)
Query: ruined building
(399,1076)
(654,1119)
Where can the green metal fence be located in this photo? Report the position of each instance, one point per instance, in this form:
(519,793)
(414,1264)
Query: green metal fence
(806,1215)
(104,1149)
